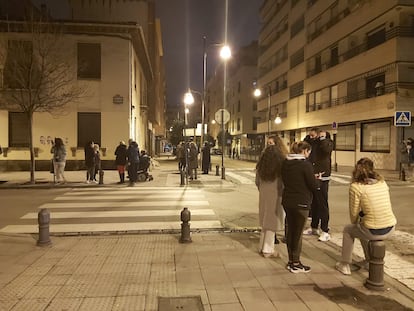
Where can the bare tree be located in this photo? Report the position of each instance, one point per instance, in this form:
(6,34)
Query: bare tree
(38,72)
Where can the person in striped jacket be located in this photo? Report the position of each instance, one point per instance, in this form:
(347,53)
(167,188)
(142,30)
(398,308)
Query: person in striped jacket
(370,211)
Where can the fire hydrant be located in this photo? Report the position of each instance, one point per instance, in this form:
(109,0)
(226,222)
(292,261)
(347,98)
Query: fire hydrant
(185,226)
(375,280)
(43,218)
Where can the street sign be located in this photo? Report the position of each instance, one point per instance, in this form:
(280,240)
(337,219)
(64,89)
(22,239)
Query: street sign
(402,118)
(222,116)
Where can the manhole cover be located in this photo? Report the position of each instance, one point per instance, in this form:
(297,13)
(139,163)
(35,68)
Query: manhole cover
(190,303)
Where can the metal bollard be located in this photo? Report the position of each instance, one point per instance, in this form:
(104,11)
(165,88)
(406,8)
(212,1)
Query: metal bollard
(182,177)
(223,173)
(375,280)
(43,218)
(101,176)
(185,226)
(217,170)
(403,174)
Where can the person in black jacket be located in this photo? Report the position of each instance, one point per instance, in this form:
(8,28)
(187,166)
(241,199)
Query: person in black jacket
(299,185)
(133,161)
(121,160)
(89,161)
(321,160)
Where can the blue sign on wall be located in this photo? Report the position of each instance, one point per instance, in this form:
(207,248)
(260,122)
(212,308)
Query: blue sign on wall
(402,118)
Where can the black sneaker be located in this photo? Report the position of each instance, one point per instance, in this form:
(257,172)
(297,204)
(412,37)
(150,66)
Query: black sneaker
(289,265)
(299,268)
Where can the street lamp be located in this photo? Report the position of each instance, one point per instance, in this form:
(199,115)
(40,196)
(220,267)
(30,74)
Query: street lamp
(188,100)
(257,93)
(225,54)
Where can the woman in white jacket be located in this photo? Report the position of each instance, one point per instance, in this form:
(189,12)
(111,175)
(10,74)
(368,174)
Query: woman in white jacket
(370,212)
(269,183)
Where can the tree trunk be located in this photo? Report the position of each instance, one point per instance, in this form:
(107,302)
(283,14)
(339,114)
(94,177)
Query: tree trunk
(31,148)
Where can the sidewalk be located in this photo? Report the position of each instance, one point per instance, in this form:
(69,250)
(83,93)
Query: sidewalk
(131,272)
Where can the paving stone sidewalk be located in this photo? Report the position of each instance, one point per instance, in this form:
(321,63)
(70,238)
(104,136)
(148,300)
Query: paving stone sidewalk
(131,272)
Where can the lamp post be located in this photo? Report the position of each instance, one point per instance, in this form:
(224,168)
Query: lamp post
(188,100)
(225,54)
(278,119)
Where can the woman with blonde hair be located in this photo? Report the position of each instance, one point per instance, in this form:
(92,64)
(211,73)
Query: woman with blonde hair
(370,212)
(269,183)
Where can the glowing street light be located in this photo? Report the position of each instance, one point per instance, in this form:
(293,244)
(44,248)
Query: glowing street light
(257,93)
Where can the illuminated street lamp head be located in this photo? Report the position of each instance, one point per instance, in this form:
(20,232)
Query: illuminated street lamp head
(188,98)
(225,52)
(257,93)
(278,119)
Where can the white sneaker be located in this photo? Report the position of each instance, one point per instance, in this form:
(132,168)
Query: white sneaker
(311,231)
(324,237)
(344,268)
(87,182)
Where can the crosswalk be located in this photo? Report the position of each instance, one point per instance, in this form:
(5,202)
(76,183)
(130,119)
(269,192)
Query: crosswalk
(88,210)
(247,177)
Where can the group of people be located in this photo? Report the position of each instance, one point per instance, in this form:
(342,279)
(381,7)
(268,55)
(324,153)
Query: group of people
(187,156)
(294,185)
(127,158)
(92,161)
(132,160)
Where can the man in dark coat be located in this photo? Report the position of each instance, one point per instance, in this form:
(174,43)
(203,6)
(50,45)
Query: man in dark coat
(133,162)
(205,164)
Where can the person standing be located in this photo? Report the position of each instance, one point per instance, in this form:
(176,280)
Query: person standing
(370,213)
(320,158)
(89,161)
(299,184)
(206,160)
(59,160)
(133,162)
(193,160)
(121,160)
(98,166)
(269,183)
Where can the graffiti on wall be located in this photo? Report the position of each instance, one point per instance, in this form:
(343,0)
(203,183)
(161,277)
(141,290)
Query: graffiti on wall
(48,140)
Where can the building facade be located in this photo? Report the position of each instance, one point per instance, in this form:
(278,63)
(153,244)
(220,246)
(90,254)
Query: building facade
(114,49)
(344,66)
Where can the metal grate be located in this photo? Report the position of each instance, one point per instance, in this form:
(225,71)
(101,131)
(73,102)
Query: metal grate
(188,303)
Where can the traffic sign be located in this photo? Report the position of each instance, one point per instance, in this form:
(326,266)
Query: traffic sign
(402,118)
(222,116)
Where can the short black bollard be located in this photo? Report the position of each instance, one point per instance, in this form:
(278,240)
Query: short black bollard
(185,226)
(403,174)
(223,173)
(217,170)
(182,177)
(43,218)
(375,279)
(101,176)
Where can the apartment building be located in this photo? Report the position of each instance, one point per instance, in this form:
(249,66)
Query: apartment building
(340,65)
(114,50)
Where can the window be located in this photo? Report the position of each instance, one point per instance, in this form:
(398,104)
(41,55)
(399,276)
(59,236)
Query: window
(297,26)
(376,38)
(334,95)
(297,58)
(18,129)
(375,137)
(345,138)
(89,61)
(255,122)
(89,128)
(375,85)
(238,106)
(310,104)
(334,56)
(18,72)
(318,64)
(296,90)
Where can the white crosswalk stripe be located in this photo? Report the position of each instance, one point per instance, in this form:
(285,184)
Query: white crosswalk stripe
(128,209)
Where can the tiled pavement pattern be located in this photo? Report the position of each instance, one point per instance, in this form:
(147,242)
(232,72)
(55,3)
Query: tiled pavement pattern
(130,272)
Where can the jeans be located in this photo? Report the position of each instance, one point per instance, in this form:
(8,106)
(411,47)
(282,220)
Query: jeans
(59,168)
(296,220)
(320,207)
(362,233)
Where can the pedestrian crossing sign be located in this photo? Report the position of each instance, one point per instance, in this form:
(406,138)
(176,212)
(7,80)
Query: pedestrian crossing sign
(402,118)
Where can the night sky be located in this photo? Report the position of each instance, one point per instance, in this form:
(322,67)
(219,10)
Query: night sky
(185,22)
